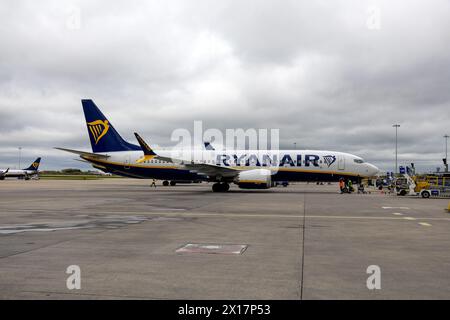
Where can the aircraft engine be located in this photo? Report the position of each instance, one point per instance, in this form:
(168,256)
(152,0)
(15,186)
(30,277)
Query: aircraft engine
(254,179)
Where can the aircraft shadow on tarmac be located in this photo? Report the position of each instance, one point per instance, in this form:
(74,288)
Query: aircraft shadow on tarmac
(244,191)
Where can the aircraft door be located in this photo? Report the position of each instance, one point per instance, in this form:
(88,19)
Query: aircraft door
(341,163)
(127,162)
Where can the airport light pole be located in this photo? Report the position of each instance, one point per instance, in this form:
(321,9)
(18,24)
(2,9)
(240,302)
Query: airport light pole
(396,126)
(446,154)
(20,153)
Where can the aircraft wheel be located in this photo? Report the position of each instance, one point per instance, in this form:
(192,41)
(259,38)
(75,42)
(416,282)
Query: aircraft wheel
(216,187)
(165,183)
(172,183)
(220,187)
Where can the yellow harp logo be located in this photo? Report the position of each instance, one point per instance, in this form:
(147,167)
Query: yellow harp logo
(98,129)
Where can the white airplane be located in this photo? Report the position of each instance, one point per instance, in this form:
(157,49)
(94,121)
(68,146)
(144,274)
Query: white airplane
(27,173)
(251,169)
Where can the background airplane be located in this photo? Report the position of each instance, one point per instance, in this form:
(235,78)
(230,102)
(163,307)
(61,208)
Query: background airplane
(247,168)
(27,173)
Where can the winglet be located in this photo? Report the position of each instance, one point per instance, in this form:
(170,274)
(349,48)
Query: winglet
(148,152)
(208,146)
(145,147)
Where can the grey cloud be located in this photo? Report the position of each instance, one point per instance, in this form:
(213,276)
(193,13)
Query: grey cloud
(312,69)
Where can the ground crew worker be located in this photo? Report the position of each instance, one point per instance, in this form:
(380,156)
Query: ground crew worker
(350,185)
(341,185)
(153,184)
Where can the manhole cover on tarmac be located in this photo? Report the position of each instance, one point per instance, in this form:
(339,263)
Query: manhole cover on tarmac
(212,248)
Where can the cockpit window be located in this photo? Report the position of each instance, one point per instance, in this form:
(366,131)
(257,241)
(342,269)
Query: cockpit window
(358,160)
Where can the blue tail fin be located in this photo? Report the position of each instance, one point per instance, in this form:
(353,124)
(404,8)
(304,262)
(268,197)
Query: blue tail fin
(35,165)
(104,138)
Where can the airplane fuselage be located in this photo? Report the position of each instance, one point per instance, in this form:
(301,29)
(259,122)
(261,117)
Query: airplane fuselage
(16,173)
(285,165)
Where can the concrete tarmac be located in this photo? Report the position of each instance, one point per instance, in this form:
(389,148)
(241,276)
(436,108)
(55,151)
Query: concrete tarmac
(305,241)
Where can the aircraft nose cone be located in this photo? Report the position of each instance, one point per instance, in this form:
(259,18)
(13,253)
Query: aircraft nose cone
(373,170)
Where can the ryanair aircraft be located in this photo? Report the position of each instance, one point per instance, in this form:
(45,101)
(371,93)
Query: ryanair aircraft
(251,169)
(27,173)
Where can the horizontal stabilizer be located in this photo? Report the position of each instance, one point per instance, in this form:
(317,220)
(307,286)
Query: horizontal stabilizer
(84,153)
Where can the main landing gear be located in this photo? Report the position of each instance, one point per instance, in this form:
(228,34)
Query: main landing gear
(220,187)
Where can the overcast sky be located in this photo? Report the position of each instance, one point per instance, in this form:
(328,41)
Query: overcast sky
(329,74)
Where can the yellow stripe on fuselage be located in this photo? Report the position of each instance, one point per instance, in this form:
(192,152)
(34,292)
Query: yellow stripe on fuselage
(145,158)
(253,181)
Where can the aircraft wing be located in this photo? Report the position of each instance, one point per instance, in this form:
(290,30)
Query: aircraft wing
(199,168)
(85,154)
(211,170)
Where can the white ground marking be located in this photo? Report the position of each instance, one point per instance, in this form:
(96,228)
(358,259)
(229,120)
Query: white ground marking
(404,208)
(397,213)
(409,218)
(247,215)
(425,224)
